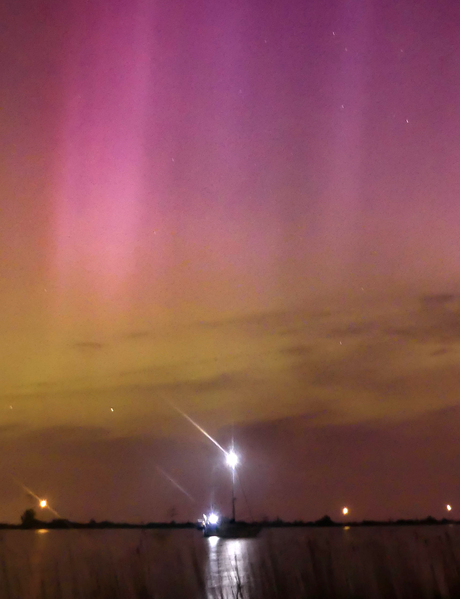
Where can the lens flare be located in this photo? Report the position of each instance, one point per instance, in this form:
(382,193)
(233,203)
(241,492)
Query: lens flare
(232,459)
(213,518)
(199,428)
(174,482)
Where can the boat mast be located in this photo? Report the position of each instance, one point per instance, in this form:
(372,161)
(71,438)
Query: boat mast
(233,495)
(232,461)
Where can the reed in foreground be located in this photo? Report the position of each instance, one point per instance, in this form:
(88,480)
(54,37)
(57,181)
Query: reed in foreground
(377,564)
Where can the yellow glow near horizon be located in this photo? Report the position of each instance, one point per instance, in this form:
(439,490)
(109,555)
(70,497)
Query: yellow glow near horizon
(448,507)
(345,511)
(43,503)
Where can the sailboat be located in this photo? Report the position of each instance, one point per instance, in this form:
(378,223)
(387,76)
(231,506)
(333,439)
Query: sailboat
(214,525)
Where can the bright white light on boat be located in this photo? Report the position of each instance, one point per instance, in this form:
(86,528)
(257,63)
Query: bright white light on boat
(213,518)
(232,459)
(43,503)
(345,511)
(448,507)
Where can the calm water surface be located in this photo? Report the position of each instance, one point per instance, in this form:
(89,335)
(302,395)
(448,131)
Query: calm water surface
(370,562)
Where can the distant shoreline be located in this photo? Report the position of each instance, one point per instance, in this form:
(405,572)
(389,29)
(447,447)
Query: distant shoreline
(324,522)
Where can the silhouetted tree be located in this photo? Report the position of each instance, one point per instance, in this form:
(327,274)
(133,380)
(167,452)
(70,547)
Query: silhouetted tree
(172,513)
(325,521)
(28,518)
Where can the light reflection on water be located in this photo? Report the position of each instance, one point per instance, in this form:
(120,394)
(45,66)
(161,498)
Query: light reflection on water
(227,568)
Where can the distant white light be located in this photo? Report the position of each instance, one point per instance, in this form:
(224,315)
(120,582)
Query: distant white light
(448,507)
(43,503)
(213,519)
(232,459)
(111,409)
(345,511)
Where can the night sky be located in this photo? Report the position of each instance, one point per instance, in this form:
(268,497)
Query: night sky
(248,209)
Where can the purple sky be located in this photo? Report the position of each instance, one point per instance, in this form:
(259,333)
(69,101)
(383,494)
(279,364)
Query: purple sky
(247,209)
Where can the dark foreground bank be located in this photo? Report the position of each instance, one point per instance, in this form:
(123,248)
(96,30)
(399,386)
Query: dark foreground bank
(326,521)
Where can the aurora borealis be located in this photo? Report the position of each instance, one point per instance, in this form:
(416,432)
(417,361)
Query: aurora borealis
(247,209)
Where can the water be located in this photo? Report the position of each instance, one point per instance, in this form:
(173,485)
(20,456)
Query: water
(396,562)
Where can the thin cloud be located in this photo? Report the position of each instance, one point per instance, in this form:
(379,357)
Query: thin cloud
(88,345)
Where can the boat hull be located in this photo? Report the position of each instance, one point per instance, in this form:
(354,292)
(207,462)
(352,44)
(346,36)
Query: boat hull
(232,531)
